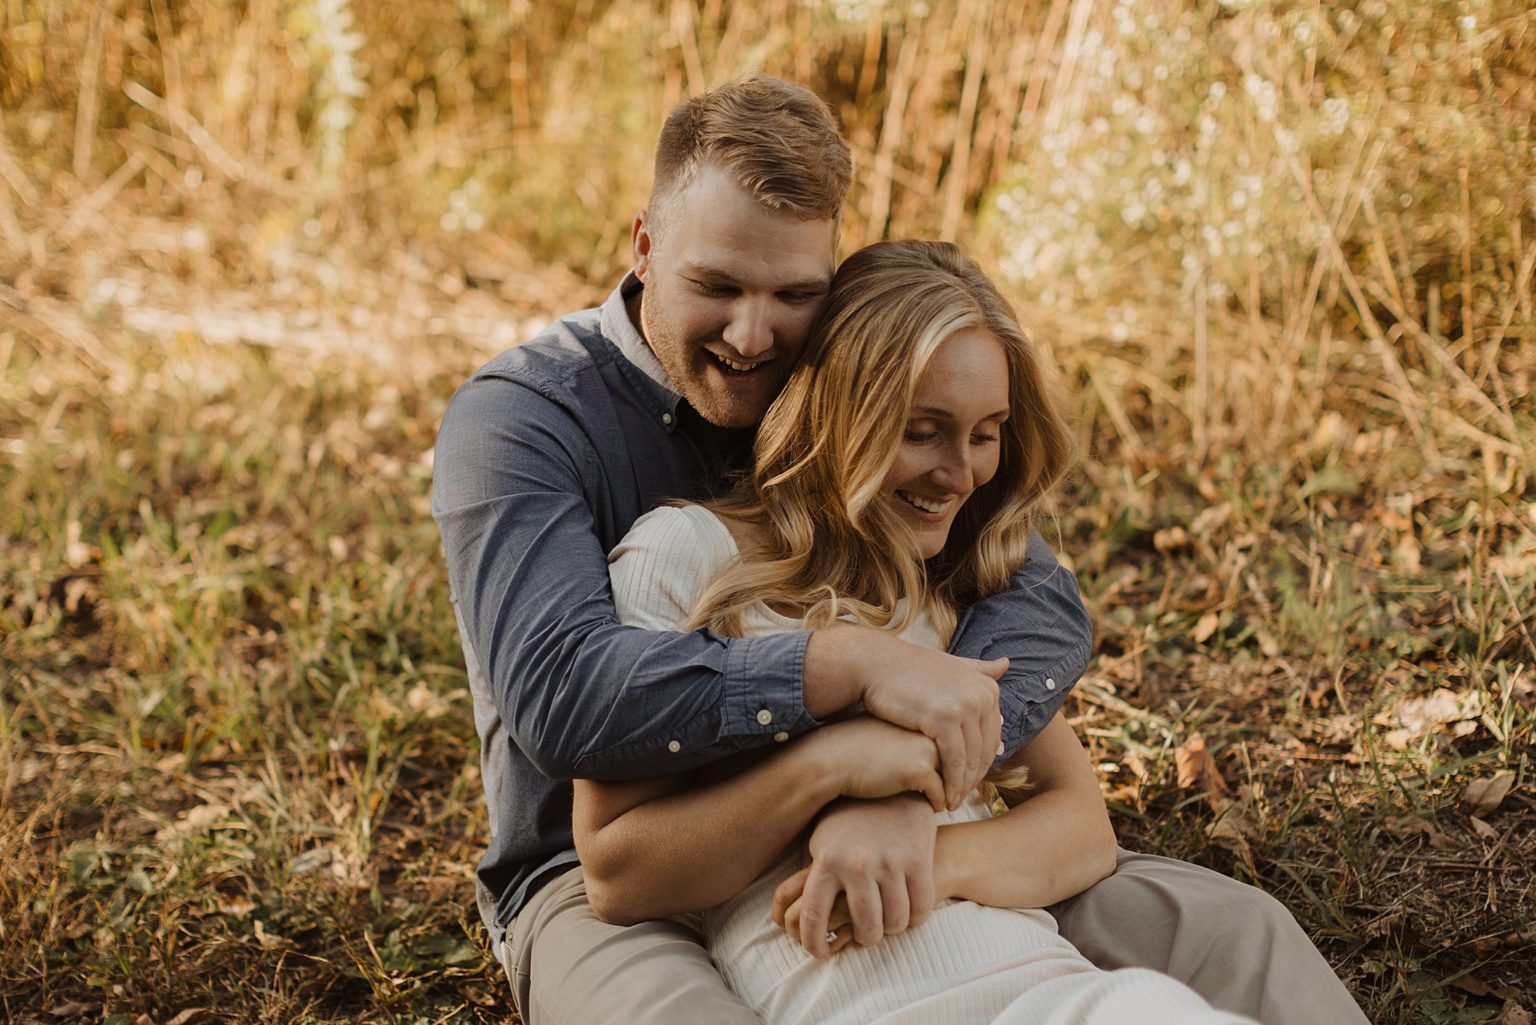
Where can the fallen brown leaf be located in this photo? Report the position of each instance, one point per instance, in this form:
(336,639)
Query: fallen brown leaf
(1197,767)
(191,1016)
(1472,984)
(1232,828)
(1483,796)
(1513,1014)
(236,907)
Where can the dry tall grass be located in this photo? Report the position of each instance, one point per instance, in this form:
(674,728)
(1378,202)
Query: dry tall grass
(1283,250)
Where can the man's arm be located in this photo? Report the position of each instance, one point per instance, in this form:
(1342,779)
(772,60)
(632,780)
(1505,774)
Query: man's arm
(1038,624)
(515,483)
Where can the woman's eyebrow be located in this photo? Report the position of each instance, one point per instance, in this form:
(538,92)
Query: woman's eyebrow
(934,412)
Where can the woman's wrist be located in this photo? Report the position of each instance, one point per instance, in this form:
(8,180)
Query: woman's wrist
(819,764)
(949,876)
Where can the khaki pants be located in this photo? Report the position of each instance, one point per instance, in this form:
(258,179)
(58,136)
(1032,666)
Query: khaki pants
(1234,944)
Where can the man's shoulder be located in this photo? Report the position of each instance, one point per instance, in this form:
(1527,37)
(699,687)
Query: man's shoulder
(570,346)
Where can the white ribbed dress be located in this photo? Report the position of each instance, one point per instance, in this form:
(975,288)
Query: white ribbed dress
(967,965)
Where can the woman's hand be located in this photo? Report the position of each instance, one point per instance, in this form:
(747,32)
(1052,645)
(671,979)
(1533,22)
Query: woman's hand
(875,859)
(787,912)
(870,758)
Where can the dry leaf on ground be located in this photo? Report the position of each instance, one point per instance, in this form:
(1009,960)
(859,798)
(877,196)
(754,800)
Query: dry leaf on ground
(1513,1014)
(1483,796)
(1197,767)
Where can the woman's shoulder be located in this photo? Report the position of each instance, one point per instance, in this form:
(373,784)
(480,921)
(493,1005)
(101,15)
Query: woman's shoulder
(665,562)
(678,529)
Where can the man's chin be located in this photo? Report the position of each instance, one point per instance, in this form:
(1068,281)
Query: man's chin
(731,411)
(733,420)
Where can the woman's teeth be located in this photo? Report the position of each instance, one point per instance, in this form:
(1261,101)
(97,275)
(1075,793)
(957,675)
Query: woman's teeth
(924,504)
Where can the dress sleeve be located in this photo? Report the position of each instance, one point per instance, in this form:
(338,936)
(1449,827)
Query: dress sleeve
(664,563)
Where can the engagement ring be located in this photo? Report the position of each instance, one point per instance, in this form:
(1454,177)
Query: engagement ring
(831,935)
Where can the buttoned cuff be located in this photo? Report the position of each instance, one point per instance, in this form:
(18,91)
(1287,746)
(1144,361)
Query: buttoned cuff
(765,687)
(1029,702)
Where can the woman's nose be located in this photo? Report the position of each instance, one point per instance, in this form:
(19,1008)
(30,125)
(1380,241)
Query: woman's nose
(954,472)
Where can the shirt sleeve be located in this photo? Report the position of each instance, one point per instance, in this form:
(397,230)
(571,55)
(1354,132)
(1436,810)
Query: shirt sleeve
(580,693)
(1039,624)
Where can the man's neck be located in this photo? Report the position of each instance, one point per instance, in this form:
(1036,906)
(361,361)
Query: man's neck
(632,309)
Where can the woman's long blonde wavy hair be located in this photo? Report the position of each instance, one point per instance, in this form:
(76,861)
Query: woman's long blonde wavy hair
(825,547)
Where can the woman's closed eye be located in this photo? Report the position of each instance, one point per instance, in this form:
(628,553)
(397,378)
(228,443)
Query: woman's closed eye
(922,437)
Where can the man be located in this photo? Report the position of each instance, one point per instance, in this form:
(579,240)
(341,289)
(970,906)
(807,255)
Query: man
(548,455)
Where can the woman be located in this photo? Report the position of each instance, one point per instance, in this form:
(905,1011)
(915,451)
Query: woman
(894,482)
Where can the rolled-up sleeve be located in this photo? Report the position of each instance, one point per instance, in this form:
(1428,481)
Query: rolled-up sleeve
(1040,625)
(580,693)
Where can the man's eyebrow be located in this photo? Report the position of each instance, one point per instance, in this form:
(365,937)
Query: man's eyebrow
(808,285)
(704,270)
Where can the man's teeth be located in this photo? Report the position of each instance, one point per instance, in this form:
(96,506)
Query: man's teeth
(924,504)
(740,368)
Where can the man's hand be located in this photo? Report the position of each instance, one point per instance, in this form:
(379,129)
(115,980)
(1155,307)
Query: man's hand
(875,858)
(949,699)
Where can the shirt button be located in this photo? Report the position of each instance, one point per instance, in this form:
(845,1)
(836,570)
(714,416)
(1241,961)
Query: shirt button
(666,418)
(781,736)
(674,746)
(1050,684)
(764,717)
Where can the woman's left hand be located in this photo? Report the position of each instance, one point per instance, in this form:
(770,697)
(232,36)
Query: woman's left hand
(787,907)
(877,858)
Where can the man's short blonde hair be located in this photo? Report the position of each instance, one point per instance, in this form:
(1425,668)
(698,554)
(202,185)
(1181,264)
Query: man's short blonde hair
(775,139)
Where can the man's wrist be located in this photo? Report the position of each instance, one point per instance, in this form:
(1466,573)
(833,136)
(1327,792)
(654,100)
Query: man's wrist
(836,658)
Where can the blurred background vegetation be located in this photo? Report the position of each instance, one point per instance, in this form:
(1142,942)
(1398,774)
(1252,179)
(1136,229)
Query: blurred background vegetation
(1283,252)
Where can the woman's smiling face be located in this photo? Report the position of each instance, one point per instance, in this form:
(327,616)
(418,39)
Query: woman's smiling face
(952,440)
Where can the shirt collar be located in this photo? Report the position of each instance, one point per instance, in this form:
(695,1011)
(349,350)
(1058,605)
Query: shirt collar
(621,331)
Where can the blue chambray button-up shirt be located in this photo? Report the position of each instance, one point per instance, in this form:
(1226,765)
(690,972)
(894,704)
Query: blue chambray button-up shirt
(546,457)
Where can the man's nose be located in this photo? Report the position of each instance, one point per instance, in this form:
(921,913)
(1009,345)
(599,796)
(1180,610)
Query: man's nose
(749,331)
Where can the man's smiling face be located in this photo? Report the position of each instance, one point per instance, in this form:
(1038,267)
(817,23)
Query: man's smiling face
(731,290)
